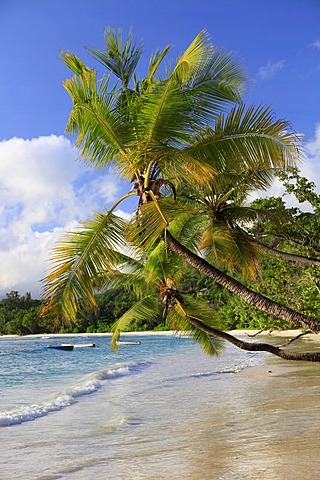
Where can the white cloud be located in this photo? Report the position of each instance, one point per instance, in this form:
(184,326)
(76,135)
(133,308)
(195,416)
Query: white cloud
(316,44)
(309,169)
(44,191)
(270,69)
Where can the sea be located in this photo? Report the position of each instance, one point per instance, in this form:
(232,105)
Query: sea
(160,409)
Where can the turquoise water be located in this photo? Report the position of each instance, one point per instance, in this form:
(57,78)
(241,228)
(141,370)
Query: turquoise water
(159,410)
(36,381)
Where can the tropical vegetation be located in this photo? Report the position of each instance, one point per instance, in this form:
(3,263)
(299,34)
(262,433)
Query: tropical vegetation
(193,153)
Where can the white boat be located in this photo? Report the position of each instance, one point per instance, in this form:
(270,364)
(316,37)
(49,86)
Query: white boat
(56,347)
(128,343)
(79,345)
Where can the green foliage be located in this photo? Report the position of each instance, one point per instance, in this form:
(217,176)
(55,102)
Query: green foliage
(294,229)
(20,315)
(186,132)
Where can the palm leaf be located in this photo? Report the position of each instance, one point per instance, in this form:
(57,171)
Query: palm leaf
(164,115)
(187,225)
(156,60)
(166,110)
(121,58)
(161,264)
(196,55)
(147,226)
(147,309)
(245,140)
(179,318)
(80,263)
(103,133)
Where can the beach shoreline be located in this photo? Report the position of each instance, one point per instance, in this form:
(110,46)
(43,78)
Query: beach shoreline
(273,366)
(243,332)
(250,334)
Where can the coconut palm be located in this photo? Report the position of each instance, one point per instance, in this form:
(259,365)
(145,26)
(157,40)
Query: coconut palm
(178,126)
(225,220)
(154,279)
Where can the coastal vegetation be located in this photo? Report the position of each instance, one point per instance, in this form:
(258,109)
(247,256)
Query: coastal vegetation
(194,154)
(283,281)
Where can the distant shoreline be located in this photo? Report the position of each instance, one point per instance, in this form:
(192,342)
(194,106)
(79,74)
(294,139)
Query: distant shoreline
(244,332)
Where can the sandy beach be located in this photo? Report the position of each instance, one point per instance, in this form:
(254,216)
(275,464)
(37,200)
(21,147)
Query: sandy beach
(248,333)
(96,413)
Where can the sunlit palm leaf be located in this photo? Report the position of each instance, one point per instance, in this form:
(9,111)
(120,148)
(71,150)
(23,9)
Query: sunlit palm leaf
(164,116)
(148,309)
(161,264)
(219,83)
(179,320)
(230,247)
(196,55)
(156,60)
(187,226)
(133,276)
(147,226)
(246,139)
(103,132)
(80,263)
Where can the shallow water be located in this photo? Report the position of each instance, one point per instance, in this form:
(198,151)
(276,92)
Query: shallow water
(161,410)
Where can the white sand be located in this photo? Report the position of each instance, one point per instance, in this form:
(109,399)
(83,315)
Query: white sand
(247,333)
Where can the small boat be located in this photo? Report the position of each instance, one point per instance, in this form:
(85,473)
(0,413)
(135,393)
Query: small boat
(60,347)
(128,343)
(79,345)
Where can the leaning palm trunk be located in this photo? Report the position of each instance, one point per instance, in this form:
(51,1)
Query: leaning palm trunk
(286,256)
(249,296)
(256,346)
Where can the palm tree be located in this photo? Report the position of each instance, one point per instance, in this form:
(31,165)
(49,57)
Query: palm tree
(162,133)
(154,279)
(224,220)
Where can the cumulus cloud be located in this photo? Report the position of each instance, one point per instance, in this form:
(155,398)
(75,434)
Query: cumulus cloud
(270,69)
(44,191)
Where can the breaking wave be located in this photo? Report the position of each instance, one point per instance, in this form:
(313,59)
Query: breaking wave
(87,386)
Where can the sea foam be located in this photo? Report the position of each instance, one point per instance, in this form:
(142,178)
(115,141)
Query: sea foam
(90,384)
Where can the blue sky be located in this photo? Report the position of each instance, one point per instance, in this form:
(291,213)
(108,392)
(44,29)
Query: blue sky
(44,190)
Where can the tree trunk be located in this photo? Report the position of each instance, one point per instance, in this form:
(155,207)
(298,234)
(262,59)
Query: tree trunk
(251,297)
(286,256)
(256,346)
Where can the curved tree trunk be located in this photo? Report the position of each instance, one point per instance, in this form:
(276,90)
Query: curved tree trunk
(251,297)
(256,346)
(286,256)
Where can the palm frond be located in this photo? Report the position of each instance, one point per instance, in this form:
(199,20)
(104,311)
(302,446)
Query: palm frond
(164,115)
(121,58)
(156,60)
(195,56)
(147,309)
(103,132)
(147,226)
(80,263)
(187,226)
(230,247)
(245,139)
(166,110)
(217,85)
(179,320)
(161,264)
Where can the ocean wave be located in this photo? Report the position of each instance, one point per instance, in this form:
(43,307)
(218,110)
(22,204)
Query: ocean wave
(90,384)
